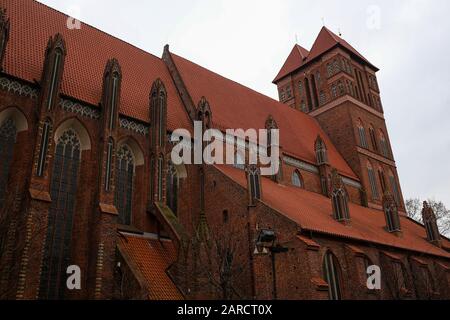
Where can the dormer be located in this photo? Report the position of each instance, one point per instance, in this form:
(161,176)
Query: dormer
(431,226)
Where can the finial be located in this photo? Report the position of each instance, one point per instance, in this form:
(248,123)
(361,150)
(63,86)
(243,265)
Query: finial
(323,21)
(296,39)
(339,32)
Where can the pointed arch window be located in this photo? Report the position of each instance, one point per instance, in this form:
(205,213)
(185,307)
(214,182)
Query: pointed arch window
(172,188)
(340,205)
(162,119)
(321,152)
(8,133)
(394,188)
(382,180)
(125,170)
(64,183)
(373,182)
(384,145)
(331,273)
(154,113)
(54,78)
(391,213)
(297,180)
(114,98)
(362,135)
(254,183)
(46,130)
(373,139)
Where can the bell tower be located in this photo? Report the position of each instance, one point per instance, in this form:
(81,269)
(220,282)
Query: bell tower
(336,85)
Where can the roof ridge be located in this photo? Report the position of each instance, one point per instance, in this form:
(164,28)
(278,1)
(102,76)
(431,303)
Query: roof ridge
(98,30)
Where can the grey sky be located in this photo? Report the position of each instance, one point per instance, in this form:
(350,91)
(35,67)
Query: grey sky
(248,41)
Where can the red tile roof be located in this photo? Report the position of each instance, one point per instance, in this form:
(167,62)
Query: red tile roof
(312,211)
(294,61)
(235,106)
(153,258)
(325,41)
(88,50)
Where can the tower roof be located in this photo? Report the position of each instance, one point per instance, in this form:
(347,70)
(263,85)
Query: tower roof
(294,61)
(325,41)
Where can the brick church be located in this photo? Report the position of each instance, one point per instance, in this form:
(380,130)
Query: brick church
(86,177)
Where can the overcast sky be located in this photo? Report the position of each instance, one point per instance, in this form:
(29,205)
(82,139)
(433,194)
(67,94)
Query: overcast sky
(249,40)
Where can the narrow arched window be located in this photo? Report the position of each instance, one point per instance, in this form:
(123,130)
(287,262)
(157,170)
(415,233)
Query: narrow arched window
(8,133)
(172,188)
(54,78)
(160,178)
(297,180)
(125,169)
(331,275)
(384,145)
(373,182)
(154,113)
(46,130)
(373,139)
(340,205)
(254,183)
(382,180)
(64,183)
(362,135)
(162,119)
(394,188)
(109,161)
(391,213)
(321,152)
(114,96)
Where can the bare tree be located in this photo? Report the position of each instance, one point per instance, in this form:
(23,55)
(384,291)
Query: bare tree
(414,209)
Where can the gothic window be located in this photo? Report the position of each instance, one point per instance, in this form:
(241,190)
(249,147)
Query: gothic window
(114,96)
(297,180)
(322,98)
(373,182)
(162,115)
(125,169)
(154,113)
(362,135)
(288,92)
(384,145)
(321,152)
(329,69)
(57,251)
(382,180)
(46,129)
(339,198)
(300,88)
(430,231)
(8,133)
(160,178)
(172,188)
(318,78)
(109,158)
(336,66)
(331,274)
(373,138)
(394,187)
(391,213)
(334,90)
(54,78)
(254,182)
(340,204)
(341,88)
